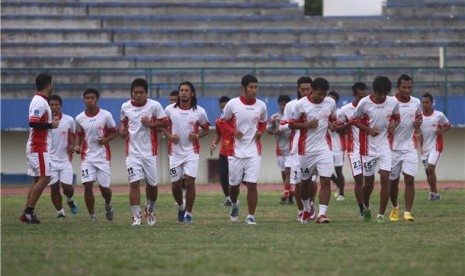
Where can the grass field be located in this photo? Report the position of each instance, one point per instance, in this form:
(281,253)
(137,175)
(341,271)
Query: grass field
(278,245)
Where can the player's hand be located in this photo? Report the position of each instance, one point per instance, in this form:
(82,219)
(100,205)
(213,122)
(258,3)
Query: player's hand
(238,134)
(101,141)
(55,122)
(123,132)
(174,138)
(373,132)
(193,136)
(77,149)
(258,134)
(312,123)
(146,121)
(417,124)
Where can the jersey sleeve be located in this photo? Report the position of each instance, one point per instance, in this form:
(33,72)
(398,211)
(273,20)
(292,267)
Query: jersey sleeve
(111,125)
(203,119)
(36,111)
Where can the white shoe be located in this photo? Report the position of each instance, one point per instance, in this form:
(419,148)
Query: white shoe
(340,198)
(336,194)
(136,221)
(151,218)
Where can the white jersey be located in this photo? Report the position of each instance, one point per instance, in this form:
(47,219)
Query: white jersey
(314,140)
(141,140)
(92,127)
(343,117)
(338,140)
(62,137)
(246,117)
(283,147)
(378,116)
(182,122)
(289,111)
(39,112)
(430,124)
(403,138)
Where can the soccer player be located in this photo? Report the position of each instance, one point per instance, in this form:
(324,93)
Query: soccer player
(38,145)
(140,117)
(403,145)
(304,86)
(435,123)
(313,115)
(225,137)
(338,146)
(376,115)
(283,148)
(63,141)
(95,128)
(246,117)
(188,122)
(359,91)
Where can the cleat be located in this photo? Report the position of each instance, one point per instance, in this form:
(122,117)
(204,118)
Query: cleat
(367,215)
(408,216)
(306,216)
(250,221)
(29,218)
(61,216)
(394,216)
(93,217)
(73,207)
(109,212)
(322,219)
(340,198)
(284,201)
(234,214)
(227,202)
(181,215)
(291,199)
(150,216)
(380,219)
(136,221)
(431,196)
(312,212)
(437,197)
(299,216)
(187,219)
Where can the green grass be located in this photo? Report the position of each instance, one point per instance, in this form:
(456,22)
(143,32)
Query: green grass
(212,245)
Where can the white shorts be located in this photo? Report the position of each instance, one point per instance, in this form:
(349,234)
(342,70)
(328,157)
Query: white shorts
(96,171)
(382,161)
(62,170)
(296,170)
(140,168)
(431,158)
(243,169)
(188,166)
(405,162)
(284,161)
(338,157)
(39,164)
(322,163)
(355,163)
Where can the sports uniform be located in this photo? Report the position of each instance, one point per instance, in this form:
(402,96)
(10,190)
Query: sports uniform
(338,143)
(431,143)
(283,147)
(62,169)
(353,143)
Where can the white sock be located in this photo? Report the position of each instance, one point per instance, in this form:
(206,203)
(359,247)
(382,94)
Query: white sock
(62,211)
(235,204)
(306,204)
(380,216)
(69,199)
(250,216)
(135,210)
(150,205)
(322,209)
(188,213)
(182,207)
(227,198)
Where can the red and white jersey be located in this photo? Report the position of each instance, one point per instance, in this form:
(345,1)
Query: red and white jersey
(338,140)
(431,141)
(403,138)
(246,117)
(226,138)
(289,111)
(92,127)
(283,147)
(141,140)
(39,112)
(378,116)
(62,137)
(314,140)
(344,115)
(182,122)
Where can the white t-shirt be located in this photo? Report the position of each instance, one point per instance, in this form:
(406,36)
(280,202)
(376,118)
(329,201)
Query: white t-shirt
(61,138)
(403,138)
(39,112)
(430,124)
(345,114)
(289,111)
(182,122)
(141,140)
(245,117)
(91,128)
(314,140)
(283,147)
(379,116)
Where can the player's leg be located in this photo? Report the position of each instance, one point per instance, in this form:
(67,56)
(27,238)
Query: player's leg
(104,180)
(251,172)
(324,165)
(356,166)
(223,164)
(236,173)
(55,196)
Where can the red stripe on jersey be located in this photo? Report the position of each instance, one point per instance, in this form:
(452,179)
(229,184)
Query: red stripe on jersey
(41,163)
(84,145)
(232,125)
(391,139)
(302,137)
(154,136)
(329,141)
(278,151)
(39,136)
(195,142)
(350,140)
(107,145)
(170,143)
(363,135)
(439,141)
(342,139)
(68,144)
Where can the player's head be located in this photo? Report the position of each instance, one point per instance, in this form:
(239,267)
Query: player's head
(427,102)
(320,87)
(139,88)
(334,95)
(174,95)
(381,88)
(404,86)
(44,82)
(223,101)
(249,84)
(55,103)
(304,86)
(187,94)
(282,101)
(359,90)
(91,97)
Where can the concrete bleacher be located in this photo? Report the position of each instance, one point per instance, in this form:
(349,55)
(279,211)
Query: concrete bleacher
(207,33)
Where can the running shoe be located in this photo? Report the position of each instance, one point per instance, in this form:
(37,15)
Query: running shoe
(394,216)
(73,207)
(408,216)
(109,212)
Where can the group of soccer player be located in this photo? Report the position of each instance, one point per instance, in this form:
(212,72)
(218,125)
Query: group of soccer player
(380,131)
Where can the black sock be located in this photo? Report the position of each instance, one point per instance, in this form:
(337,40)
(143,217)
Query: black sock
(29,210)
(361,208)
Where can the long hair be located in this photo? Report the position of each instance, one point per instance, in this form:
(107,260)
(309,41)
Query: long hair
(193,99)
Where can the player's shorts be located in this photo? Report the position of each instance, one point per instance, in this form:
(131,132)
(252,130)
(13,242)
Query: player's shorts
(321,163)
(431,158)
(405,162)
(284,161)
(62,171)
(243,169)
(140,168)
(96,171)
(355,163)
(296,170)
(338,157)
(370,163)
(188,166)
(39,164)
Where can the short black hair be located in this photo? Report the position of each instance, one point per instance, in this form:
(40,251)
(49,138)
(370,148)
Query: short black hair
(382,85)
(320,83)
(42,80)
(55,97)
(335,95)
(304,79)
(174,93)
(249,78)
(403,77)
(224,99)
(359,86)
(429,96)
(140,82)
(284,98)
(91,90)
